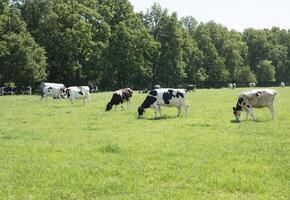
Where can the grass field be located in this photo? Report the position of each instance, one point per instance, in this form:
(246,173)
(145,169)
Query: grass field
(55,150)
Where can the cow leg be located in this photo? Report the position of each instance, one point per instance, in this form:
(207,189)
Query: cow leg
(157,109)
(247,114)
(160,111)
(252,113)
(129,102)
(272,110)
(185,107)
(178,111)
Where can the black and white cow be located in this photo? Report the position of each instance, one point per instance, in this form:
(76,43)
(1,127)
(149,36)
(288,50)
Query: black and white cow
(164,97)
(119,97)
(190,87)
(282,84)
(78,92)
(252,84)
(50,91)
(234,85)
(248,100)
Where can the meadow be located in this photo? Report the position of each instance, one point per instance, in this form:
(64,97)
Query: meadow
(54,150)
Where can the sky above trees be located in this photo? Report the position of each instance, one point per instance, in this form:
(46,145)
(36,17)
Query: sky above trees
(235,14)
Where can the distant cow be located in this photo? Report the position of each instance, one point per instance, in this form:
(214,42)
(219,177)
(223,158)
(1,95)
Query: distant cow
(49,91)
(164,97)
(156,86)
(119,97)
(252,84)
(248,100)
(78,92)
(190,87)
(282,84)
(230,85)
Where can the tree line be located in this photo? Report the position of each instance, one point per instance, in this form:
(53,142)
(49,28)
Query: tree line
(105,43)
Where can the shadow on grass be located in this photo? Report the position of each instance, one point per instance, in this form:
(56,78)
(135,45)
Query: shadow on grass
(235,121)
(254,121)
(163,117)
(199,125)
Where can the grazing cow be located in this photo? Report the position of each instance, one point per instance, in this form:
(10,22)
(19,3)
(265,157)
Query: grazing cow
(78,92)
(164,97)
(119,97)
(282,84)
(234,85)
(252,84)
(190,87)
(248,100)
(49,91)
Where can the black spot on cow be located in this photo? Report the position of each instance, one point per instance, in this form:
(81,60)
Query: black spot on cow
(171,93)
(81,92)
(240,100)
(116,100)
(179,94)
(248,106)
(244,103)
(49,88)
(153,92)
(258,93)
(146,104)
(68,93)
(166,97)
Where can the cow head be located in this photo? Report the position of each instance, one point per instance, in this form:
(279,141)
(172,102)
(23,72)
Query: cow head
(141,111)
(109,107)
(238,109)
(237,113)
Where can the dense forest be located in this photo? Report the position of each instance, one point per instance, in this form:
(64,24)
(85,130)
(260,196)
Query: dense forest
(105,43)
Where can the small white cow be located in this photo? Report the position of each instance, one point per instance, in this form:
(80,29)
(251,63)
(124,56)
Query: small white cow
(252,84)
(230,85)
(248,100)
(49,91)
(78,92)
(234,85)
(282,84)
(164,97)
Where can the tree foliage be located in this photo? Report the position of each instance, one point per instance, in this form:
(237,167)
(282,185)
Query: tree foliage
(104,42)
(22,60)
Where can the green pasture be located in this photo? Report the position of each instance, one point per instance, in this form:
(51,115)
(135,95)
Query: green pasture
(54,150)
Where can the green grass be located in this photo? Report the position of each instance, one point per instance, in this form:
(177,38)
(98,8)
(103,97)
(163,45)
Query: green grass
(55,150)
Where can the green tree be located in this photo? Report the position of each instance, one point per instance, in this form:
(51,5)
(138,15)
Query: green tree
(244,75)
(213,63)
(73,34)
(22,61)
(129,57)
(265,71)
(169,68)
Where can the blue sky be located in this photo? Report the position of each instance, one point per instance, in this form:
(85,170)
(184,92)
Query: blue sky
(235,14)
